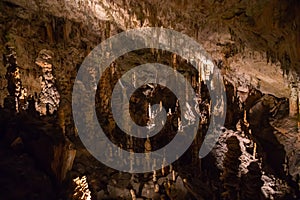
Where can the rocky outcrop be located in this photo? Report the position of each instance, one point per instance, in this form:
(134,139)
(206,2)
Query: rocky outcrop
(231,164)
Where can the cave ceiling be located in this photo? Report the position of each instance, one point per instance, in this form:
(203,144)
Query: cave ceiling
(245,35)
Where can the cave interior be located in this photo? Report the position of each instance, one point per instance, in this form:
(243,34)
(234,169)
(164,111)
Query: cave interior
(254,48)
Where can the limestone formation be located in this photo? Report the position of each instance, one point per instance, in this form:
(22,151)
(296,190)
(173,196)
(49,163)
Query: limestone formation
(231,169)
(49,97)
(254,44)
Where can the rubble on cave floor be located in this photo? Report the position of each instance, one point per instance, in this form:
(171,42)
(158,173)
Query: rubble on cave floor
(272,187)
(106,183)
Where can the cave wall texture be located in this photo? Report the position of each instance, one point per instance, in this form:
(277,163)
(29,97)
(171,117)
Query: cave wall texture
(255,43)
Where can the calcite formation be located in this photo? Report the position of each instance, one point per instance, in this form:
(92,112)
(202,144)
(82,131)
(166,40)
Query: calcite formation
(49,97)
(255,45)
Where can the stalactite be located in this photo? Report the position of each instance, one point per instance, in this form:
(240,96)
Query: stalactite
(174,61)
(50,32)
(67,158)
(194,82)
(163,167)
(152,51)
(130,143)
(147,145)
(154,179)
(67,30)
(134,80)
(107,29)
(61,118)
(186,90)
(126,116)
(148,148)
(199,77)
(131,159)
(160,106)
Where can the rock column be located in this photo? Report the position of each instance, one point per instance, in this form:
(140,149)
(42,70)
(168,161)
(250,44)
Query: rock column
(293,99)
(49,97)
(17,98)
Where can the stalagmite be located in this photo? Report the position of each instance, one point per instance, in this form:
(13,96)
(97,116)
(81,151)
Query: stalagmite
(133,196)
(293,100)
